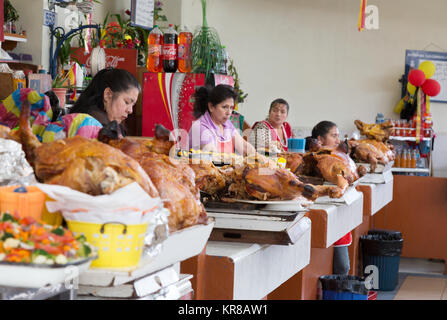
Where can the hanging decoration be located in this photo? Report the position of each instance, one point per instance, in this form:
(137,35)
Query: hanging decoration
(421,87)
(361,22)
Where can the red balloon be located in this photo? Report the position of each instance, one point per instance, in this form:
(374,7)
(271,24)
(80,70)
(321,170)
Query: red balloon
(431,87)
(416,77)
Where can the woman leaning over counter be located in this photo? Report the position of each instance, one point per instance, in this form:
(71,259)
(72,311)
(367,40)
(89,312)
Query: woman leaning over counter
(213,130)
(326,135)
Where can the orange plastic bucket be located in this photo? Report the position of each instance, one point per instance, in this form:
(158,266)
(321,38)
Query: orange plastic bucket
(29,204)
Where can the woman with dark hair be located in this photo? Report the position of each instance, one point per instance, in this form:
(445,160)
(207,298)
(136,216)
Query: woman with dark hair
(326,135)
(271,134)
(110,96)
(213,130)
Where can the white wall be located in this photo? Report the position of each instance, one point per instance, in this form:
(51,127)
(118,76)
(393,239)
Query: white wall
(308,52)
(31,20)
(311,54)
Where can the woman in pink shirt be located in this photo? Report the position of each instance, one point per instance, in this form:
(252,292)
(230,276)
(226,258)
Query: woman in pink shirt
(213,130)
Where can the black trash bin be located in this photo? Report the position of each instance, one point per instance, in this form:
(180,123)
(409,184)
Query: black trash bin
(343,287)
(383,248)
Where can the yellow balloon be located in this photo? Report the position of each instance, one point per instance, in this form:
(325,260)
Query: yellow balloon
(411,89)
(428,68)
(400,105)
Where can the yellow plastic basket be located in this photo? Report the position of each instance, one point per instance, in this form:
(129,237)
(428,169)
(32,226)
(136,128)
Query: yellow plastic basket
(119,245)
(51,218)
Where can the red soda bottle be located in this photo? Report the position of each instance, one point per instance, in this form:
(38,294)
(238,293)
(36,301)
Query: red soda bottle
(170,39)
(154,52)
(184,50)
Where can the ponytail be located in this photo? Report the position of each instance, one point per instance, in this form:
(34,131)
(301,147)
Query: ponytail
(201,98)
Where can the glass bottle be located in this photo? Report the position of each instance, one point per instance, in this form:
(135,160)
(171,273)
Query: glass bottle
(184,50)
(413,159)
(403,159)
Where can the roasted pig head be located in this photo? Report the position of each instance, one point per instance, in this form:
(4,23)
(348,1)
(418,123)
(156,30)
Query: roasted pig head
(174,180)
(209,178)
(368,153)
(264,182)
(335,166)
(379,132)
(164,140)
(294,161)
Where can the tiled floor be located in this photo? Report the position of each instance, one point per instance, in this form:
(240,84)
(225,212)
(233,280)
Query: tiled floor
(419,279)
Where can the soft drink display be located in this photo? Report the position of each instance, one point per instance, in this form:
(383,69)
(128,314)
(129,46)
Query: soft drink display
(170,39)
(413,159)
(403,159)
(397,128)
(427,125)
(184,50)
(397,159)
(154,54)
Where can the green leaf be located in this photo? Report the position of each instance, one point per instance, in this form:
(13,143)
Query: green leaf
(40,252)
(81,238)
(87,250)
(59,231)
(7,235)
(8,217)
(106,19)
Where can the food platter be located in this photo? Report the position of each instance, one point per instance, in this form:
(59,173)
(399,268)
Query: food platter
(28,275)
(350,195)
(285,205)
(379,167)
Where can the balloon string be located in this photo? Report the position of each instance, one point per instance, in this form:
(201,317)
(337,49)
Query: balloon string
(361,23)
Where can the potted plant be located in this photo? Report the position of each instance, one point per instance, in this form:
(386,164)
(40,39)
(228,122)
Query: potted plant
(10,16)
(60,86)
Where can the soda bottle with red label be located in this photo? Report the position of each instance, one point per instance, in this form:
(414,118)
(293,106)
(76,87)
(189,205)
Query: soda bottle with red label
(154,55)
(184,50)
(170,39)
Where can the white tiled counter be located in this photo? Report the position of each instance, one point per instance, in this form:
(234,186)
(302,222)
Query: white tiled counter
(330,222)
(239,271)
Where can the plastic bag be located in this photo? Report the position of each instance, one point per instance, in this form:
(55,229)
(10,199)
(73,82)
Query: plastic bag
(382,244)
(344,283)
(395,233)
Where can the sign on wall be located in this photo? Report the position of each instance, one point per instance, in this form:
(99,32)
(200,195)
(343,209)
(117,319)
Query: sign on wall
(142,13)
(115,58)
(413,58)
(49,18)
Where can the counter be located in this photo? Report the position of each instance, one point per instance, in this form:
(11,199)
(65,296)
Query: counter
(330,222)
(235,270)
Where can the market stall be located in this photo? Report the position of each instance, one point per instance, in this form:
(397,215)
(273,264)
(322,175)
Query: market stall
(241,271)
(330,222)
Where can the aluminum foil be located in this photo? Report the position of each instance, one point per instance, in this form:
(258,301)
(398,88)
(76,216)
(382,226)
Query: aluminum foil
(14,169)
(157,233)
